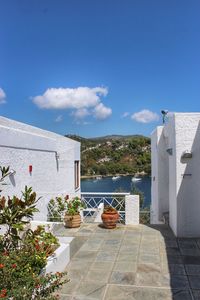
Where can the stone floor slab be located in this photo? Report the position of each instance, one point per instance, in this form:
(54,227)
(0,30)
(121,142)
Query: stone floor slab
(149,258)
(123,278)
(86,255)
(194,282)
(127,257)
(98,275)
(117,292)
(99,265)
(70,287)
(174,269)
(106,256)
(196,294)
(147,268)
(192,270)
(125,266)
(90,290)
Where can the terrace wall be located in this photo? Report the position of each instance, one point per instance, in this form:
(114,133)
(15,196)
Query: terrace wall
(51,156)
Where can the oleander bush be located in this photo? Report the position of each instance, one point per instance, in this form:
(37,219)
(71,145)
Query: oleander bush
(20,277)
(42,240)
(24,256)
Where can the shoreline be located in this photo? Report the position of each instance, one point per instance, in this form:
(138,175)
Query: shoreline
(111,175)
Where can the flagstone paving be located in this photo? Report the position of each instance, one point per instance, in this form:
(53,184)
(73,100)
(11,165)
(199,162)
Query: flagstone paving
(132,263)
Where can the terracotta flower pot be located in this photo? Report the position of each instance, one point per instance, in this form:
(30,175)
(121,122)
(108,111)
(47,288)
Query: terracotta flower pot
(72,221)
(110,219)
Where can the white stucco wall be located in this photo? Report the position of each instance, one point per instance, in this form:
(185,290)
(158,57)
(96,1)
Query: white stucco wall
(181,132)
(22,145)
(154,177)
(170,136)
(187,126)
(160,176)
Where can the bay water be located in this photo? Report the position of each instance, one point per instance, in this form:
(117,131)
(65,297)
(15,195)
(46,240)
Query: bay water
(125,183)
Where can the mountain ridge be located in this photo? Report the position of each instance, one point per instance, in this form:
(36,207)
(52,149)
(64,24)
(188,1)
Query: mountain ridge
(114,154)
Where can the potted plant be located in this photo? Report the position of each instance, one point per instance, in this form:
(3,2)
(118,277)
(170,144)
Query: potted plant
(72,216)
(110,216)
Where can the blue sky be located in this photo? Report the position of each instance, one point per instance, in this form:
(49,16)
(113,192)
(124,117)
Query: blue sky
(101,67)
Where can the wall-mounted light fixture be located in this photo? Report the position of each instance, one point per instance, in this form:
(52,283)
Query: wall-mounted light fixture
(186,154)
(169,151)
(164,113)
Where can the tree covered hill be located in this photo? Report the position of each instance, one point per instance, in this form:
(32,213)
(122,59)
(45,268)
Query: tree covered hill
(114,154)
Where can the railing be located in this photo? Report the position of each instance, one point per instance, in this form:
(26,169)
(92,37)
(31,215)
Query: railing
(95,203)
(127,206)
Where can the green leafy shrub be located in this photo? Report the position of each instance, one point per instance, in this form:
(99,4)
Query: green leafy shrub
(42,241)
(145,215)
(20,275)
(15,213)
(4,172)
(22,258)
(56,209)
(74,206)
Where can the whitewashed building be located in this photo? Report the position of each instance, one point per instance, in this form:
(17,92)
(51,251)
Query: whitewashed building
(46,161)
(176,173)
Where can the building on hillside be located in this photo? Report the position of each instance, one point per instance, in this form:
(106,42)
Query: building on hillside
(176,174)
(46,161)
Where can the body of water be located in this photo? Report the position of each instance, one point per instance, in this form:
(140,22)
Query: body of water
(107,185)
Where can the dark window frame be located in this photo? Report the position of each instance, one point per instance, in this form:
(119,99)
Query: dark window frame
(77,174)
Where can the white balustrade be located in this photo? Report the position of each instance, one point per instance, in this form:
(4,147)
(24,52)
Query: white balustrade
(127,206)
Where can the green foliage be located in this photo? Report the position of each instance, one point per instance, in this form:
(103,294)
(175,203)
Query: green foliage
(4,172)
(15,213)
(145,215)
(20,277)
(74,206)
(42,240)
(56,209)
(126,154)
(22,258)
(109,209)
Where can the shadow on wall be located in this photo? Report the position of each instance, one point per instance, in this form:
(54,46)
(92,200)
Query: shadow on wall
(188,197)
(163,177)
(12,179)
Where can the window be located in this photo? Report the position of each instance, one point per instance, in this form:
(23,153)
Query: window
(76,174)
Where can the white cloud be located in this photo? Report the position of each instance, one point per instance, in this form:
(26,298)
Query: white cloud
(2,96)
(126,114)
(102,112)
(59,119)
(81,113)
(145,116)
(69,98)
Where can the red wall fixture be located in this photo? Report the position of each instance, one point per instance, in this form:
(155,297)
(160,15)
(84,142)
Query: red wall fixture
(30,168)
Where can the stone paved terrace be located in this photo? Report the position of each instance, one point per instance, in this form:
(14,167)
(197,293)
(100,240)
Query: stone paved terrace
(132,263)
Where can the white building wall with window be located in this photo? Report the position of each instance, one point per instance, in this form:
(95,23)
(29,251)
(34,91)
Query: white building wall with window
(51,156)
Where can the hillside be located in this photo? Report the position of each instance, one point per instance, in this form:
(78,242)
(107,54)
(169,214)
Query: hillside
(114,154)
